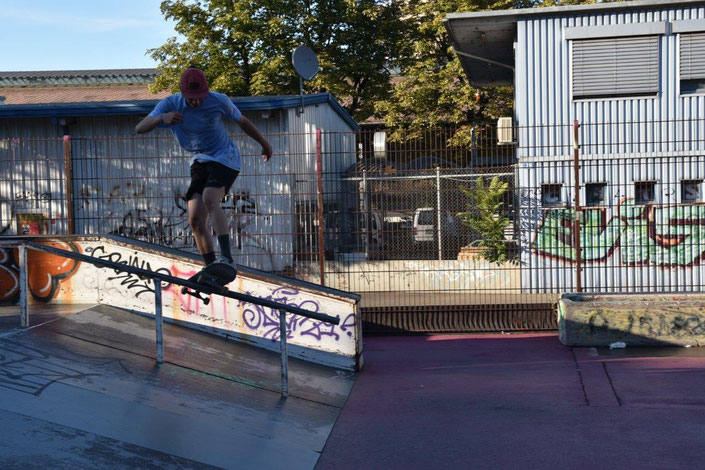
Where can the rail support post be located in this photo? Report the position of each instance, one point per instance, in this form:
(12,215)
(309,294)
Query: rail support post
(24,294)
(282,335)
(158,320)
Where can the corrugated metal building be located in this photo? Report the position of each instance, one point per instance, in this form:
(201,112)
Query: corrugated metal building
(121,181)
(632,74)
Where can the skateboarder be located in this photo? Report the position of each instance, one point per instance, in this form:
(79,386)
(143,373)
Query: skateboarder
(196,118)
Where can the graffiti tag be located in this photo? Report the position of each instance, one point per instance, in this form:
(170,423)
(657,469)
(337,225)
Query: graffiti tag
(645,235)
(257,317)
(132,281)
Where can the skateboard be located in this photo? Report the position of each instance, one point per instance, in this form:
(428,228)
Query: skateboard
(214,278)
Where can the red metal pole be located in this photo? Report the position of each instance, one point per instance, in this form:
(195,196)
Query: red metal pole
(319,171)
(68,170)
(576,222)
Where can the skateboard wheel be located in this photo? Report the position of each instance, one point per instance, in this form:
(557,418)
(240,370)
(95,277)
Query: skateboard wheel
(206,301)
(184,290)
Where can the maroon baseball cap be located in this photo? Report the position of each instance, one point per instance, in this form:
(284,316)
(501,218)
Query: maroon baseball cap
(193,83)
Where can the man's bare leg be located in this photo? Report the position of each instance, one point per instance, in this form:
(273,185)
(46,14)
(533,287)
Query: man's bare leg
(198,220)
(211,201)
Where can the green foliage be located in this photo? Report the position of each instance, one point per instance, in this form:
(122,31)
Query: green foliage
(245,47)
(432,89)
(484,216)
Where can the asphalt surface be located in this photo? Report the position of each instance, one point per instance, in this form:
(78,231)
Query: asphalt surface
(81,389)
(520,401)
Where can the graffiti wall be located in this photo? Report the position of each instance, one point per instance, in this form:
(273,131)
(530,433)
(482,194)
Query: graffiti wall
(57,280)
(646,233)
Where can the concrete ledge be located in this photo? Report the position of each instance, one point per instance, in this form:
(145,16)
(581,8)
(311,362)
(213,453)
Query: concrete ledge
(635,319)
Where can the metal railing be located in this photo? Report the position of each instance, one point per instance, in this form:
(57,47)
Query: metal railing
(158,278)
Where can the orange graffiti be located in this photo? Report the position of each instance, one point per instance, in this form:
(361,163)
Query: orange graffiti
(45,272)
(9,278)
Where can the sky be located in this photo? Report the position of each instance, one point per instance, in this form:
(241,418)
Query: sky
(40,35)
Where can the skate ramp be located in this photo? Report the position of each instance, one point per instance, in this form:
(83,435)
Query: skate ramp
(61,281)
(81,389)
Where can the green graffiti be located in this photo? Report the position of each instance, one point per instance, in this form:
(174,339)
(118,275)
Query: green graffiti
(645,235)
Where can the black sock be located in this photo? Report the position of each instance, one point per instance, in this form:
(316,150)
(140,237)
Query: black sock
(224,242)
(209,257)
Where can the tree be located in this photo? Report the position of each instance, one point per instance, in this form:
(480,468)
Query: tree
(245,46)
(432,90)
(484,216)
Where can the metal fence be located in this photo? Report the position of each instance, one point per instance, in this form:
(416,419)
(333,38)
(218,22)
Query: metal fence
(433,234)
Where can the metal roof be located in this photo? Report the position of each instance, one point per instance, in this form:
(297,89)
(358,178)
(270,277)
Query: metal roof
(142,107)
(78,77)
(484,41)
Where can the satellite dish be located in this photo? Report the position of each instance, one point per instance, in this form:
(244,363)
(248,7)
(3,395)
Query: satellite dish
(305,62)
(306,65)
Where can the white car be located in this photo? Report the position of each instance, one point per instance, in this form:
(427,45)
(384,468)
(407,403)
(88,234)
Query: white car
(426,225)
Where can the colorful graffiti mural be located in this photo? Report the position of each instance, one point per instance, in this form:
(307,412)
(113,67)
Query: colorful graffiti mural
(45,272)
(645,235)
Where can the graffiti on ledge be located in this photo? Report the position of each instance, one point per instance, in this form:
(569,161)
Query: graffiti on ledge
(45,273)
(135,284)
(257,316)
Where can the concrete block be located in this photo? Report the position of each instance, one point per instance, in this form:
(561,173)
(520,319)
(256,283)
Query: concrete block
(635,319)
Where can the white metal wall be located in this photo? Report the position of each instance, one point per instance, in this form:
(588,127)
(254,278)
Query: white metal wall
(545,110)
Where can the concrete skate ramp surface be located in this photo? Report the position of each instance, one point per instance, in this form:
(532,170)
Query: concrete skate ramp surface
(82,390)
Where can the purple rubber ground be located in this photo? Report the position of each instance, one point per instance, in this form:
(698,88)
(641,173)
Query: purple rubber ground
(520,401)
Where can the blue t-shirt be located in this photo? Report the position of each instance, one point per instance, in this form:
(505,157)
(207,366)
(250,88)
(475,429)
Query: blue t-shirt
(203,130)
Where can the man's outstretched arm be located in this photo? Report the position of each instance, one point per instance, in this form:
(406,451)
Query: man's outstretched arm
(150,123)
(253,132)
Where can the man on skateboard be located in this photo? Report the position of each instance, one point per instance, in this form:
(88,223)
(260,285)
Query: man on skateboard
(196,118)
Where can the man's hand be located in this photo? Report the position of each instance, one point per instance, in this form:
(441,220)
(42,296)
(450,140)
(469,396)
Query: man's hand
(173,117)
(152,122)
(266,151)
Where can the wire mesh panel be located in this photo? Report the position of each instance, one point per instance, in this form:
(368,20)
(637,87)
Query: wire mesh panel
(479,222)
(33,187)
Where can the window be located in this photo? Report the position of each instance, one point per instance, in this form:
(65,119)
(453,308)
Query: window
(691,190)
(380,144)
(692,63)
(595,194)
(427,217)
(615,67)
(644,192)
(550,195)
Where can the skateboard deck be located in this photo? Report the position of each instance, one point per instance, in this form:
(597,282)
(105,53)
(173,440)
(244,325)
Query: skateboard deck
(214,278)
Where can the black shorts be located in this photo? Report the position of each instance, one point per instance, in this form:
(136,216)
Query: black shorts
(210,175)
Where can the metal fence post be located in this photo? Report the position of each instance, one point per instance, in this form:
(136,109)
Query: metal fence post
(158,320)
(282,336)
(68,170)
(364,213)
(24,311)
(578,212)
(439,217)
(321,238)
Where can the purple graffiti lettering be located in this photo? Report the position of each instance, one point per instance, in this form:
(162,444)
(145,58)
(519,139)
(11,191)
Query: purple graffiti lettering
(257,317)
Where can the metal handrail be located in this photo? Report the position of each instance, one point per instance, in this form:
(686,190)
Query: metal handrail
(158,278)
